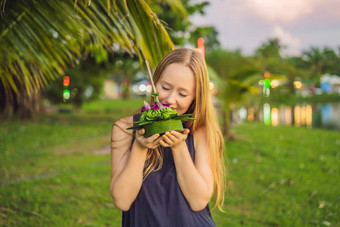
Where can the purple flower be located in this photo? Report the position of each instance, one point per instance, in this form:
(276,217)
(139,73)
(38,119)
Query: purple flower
(161,106)
(155,107)
(146,107)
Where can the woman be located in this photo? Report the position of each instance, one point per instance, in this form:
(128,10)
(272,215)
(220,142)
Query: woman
(168,180)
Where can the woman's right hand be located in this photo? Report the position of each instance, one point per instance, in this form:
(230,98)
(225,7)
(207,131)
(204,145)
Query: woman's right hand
(151,142)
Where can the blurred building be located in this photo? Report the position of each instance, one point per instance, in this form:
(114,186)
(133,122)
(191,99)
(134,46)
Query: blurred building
(330,83)
(142,88)
(111,89)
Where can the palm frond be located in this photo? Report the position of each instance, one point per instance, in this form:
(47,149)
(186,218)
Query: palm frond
(40,39)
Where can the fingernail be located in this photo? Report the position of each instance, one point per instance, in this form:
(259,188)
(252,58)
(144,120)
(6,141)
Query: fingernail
(164,136)
(167,133)
(157,135)
(172,132)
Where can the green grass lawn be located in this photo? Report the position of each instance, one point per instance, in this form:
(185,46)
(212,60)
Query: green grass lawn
(56,172)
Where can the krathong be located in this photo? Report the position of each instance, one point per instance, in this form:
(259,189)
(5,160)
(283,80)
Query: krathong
(158,117)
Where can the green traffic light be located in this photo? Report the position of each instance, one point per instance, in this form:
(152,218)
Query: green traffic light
(266,83)
(66,94)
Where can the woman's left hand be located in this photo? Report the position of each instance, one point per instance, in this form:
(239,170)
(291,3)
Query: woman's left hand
(174,138)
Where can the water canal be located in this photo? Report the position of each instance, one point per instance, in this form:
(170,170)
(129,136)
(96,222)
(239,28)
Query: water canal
(315,115)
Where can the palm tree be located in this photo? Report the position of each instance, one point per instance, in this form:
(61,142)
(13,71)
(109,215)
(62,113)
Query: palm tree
(314,57)
(238,77)
(40,39)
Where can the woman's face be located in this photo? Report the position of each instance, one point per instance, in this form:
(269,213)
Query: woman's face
(176,87)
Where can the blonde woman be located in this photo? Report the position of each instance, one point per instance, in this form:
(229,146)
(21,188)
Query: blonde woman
(168,180)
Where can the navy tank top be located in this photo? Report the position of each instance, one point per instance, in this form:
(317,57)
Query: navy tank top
(161,203)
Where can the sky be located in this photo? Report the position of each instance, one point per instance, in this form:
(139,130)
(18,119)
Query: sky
(299,24)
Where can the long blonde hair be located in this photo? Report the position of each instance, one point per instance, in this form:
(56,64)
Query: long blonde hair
(202,109)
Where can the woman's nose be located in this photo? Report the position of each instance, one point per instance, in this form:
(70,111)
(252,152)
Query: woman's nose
(171,99)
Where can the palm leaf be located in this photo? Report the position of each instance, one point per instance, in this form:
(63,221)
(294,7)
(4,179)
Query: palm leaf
(40,39)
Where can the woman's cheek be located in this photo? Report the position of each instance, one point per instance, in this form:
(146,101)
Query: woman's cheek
(162,97)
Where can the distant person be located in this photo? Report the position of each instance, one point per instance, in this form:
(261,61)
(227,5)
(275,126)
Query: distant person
(168,180)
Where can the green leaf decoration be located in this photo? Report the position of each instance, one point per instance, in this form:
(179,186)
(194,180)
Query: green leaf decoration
(161,120)
(155,94)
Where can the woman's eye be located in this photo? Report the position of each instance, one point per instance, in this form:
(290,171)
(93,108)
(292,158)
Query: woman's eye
(183,95)
(165,88)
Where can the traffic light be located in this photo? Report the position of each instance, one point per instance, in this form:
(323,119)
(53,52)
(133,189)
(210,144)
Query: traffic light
(200,46)
(66,91)
(266,84)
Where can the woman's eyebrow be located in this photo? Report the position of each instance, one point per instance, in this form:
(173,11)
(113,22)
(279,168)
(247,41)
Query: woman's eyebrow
(184,89)
(181,88)
(163,81)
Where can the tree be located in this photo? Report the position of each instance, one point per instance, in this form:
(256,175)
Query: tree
(331,61)
(314,58)
(320,61)
(285,69)
(239,76)
(269,49)
(86,82)
(128,67)
(40,39)
(180,28)
(209,33)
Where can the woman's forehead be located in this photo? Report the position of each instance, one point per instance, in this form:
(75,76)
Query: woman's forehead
(179,74)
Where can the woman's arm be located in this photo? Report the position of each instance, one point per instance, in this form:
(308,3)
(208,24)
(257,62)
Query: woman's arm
(194,178)
(127,164)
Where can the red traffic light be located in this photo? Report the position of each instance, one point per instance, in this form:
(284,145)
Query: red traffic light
(66,81)
(200,45)
(266,74)
(200,41)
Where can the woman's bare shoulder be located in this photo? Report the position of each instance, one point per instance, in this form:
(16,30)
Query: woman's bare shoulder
(119,128)
(125,121)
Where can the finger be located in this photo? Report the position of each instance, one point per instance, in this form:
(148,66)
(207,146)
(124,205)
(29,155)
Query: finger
(163,144)
(156,143)
(186,131)
(154,138)
(179,135)
(141,131)
(176,134)
(151,139)
(170,136)
(167,140)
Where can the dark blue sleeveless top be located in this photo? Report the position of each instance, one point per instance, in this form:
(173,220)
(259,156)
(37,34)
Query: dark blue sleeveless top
(160,202)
